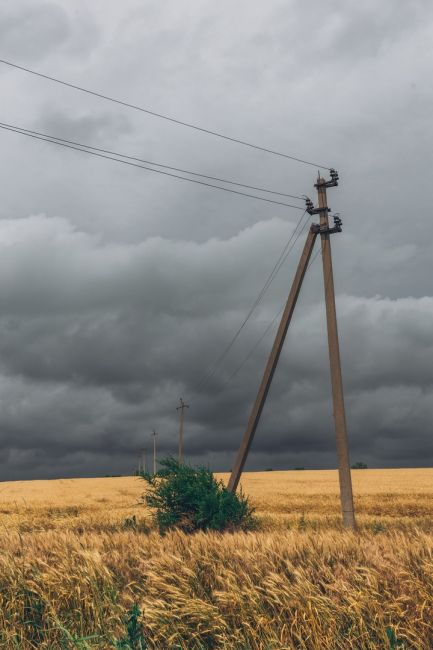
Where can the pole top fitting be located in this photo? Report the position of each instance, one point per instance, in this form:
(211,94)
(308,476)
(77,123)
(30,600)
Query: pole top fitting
(326,230)
(182,405)
(333,182)
(309,207)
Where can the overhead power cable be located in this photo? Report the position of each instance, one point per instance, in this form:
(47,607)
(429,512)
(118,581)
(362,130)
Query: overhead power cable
(315,256)
(254,348)
(163,117)
(269,326)
(150,162)
(87,150)
(212,368)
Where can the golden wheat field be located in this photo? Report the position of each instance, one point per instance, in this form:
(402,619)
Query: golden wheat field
(82,567)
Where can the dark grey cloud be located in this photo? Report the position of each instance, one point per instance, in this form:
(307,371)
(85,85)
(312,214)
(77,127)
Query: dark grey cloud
(31,31)
(35,30)
(87,128)
(119,287)
(98,340)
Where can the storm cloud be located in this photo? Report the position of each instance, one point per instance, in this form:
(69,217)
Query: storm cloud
(119,288)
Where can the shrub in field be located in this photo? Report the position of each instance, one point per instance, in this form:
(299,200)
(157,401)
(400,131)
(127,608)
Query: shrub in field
(134,639)
(191,499)
(359,465)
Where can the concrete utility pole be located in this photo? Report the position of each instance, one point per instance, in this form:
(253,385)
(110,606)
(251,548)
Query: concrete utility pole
(324,231)
(154,451)
(181,408)
(144,460)
(272,362)
(346,495)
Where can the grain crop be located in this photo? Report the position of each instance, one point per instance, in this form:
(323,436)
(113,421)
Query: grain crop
(77,555)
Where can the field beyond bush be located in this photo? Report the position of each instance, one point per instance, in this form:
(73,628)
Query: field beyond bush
(81,567)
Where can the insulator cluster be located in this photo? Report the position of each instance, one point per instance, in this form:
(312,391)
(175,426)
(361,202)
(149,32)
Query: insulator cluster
(337,221)
(334,175)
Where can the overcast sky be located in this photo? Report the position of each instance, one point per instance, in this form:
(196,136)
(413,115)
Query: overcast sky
(120,287)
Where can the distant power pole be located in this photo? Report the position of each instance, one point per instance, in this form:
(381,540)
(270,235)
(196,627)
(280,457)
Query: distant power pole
(181,408)
(144,460)
(154,451)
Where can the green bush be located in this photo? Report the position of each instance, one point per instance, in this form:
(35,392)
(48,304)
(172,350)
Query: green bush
(191,499)
(134,639)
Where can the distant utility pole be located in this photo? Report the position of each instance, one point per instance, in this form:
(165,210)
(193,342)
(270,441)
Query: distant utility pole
(324,231)
(143,460)
(154,451)
(181,408)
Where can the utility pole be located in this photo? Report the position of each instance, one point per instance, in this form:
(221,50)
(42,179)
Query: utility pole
(154,451)
(181,408)
(345,479)
(144,460)
(272,362)
(324,231)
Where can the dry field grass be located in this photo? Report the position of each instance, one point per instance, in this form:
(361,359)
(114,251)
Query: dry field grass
(73,563)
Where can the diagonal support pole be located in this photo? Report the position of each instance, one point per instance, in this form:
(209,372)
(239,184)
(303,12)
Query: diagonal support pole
(272,361)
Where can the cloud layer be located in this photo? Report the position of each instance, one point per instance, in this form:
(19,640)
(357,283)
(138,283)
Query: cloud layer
(119,288)
(98,340)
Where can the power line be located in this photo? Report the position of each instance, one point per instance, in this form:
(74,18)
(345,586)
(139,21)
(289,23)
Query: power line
(255,346)
(14,129)
(262,336)
(315,256)
(279,263)
(150,162)
(161,116)
(213,367)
